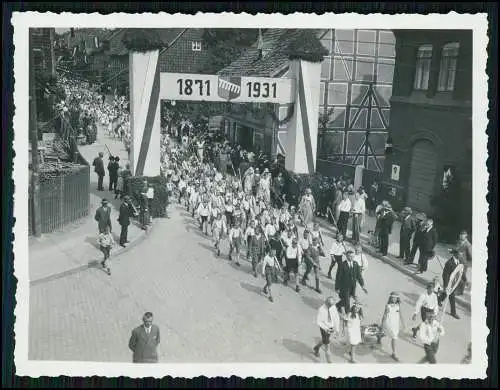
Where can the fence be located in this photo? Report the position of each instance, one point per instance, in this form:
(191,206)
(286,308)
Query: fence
(64,198)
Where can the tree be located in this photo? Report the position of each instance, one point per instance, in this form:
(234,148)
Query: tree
(225,45)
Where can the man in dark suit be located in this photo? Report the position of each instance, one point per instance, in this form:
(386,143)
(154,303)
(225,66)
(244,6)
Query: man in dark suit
(103,216)
(386,219)
(98,164)
(113,167)
(348,276)
(126,210)
(144,341)
(408,226)
(429,241)
(448,269)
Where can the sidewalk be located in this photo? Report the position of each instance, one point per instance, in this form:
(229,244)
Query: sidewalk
(75,248)
(435,266)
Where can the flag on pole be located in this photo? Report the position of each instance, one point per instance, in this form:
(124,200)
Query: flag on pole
(260,44)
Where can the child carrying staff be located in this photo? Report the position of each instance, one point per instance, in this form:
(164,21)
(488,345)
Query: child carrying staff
(268,269)
(235,240)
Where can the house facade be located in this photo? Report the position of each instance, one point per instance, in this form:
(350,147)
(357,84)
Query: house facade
(355,90)
(431,104)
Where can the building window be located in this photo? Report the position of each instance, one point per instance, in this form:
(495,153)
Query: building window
(423,67)
(196,46)
(448,67)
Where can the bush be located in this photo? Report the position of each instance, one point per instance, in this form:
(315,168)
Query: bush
(158,206)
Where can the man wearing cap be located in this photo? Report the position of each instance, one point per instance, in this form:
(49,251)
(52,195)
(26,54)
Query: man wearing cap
(448,269)
(98,164)
(103,216)
(408,226)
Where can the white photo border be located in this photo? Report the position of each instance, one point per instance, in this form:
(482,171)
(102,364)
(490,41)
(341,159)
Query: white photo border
(22,21)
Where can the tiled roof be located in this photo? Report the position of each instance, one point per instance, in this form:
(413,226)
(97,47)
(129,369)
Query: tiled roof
(117,48)
(275,44)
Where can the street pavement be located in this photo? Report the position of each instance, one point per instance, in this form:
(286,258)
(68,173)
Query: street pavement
(75,246)
(209,310)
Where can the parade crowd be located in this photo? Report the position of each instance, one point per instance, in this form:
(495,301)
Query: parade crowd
(240,205)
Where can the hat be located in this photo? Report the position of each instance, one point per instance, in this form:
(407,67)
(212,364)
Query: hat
(454,251)
(266,170)
(104,200)
(430,284)
(394,294)
(463,231)
(407,210)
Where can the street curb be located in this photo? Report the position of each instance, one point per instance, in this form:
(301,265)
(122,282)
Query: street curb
(395,264)
(96,260)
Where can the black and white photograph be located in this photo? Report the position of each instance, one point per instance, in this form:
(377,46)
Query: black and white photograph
(206,196)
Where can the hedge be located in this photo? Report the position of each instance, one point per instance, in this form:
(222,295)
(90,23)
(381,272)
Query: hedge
(158,207)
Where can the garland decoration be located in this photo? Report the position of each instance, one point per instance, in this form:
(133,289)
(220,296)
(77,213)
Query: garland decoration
(286,119)
(142,40)
(306,46)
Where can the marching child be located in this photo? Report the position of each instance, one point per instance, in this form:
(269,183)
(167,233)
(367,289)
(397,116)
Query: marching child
(105,244)
(235,239)
(391,320)
(353,326)
(256,248)
(219,228)
(268,269)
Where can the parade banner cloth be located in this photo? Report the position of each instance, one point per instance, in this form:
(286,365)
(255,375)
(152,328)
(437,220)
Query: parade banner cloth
(235,89)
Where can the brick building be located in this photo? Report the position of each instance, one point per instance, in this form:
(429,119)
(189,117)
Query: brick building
(431,105)
(356,85)
(184,52)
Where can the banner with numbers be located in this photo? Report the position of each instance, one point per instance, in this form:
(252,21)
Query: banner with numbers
(214,88)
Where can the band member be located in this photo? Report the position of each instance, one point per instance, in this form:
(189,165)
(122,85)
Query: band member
(235,239)
(307,207)
(311,257)
(219,228)
(430,332)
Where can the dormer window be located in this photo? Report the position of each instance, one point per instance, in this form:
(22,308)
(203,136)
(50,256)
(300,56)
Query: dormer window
(196,46)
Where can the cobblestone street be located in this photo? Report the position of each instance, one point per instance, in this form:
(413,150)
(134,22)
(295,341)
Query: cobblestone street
(207,309)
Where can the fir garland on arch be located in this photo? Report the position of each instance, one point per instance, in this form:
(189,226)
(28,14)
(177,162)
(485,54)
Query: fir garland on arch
(142,40)
(306,46)
(286,119)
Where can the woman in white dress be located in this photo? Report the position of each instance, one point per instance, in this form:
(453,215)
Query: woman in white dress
(391,319)
(353,329)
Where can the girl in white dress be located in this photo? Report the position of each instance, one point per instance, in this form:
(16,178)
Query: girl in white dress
(391,319)
(353,328)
